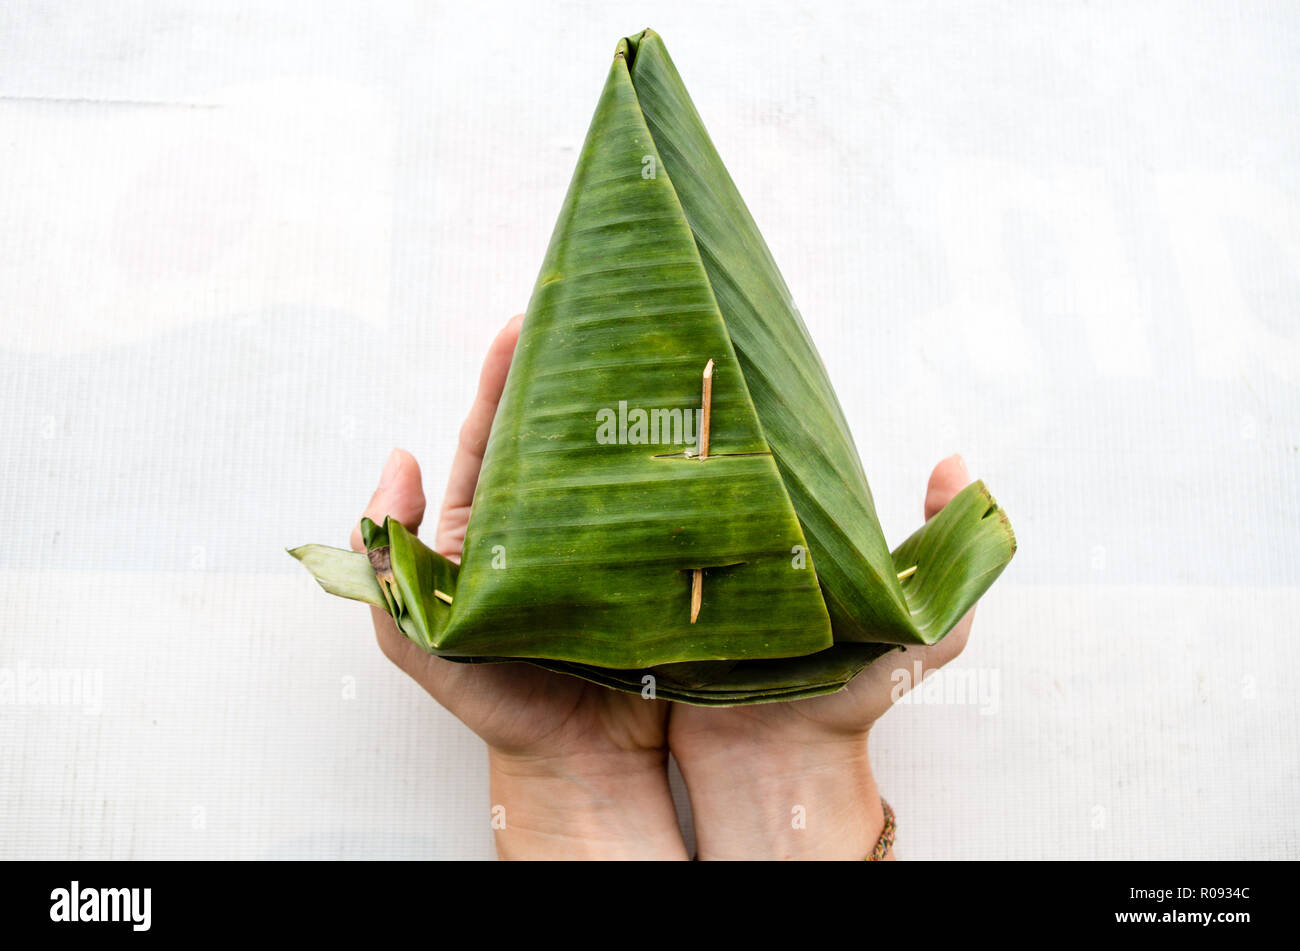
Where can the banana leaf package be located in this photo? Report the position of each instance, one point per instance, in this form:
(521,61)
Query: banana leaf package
(670,488)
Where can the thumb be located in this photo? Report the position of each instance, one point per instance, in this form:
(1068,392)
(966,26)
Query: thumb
(400,494)
(948,478)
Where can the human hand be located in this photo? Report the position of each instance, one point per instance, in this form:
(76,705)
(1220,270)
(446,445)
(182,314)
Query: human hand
(747,768)
(580,770)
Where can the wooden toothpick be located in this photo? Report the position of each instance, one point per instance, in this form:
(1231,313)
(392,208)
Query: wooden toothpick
(442,595)
(697,574)
(908,573)
(708,405)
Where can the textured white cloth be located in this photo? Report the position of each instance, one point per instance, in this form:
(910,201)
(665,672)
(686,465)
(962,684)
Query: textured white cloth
(247,248)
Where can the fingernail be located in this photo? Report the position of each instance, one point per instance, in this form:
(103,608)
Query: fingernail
(961,462)
(390,469)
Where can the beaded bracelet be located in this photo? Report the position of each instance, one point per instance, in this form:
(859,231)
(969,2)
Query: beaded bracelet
(886,841)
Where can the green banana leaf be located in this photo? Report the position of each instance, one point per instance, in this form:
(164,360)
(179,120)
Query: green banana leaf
(597,508)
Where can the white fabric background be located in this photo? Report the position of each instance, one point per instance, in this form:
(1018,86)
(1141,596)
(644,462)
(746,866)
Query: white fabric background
(245,248)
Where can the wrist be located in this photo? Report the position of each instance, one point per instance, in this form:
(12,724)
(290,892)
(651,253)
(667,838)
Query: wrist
(584,806)
(807,800)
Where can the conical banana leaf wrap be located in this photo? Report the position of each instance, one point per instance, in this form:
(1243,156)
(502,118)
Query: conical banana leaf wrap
(590,522)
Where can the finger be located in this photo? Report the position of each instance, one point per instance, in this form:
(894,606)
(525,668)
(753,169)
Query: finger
(473,440)
(400,494)
(948,478)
